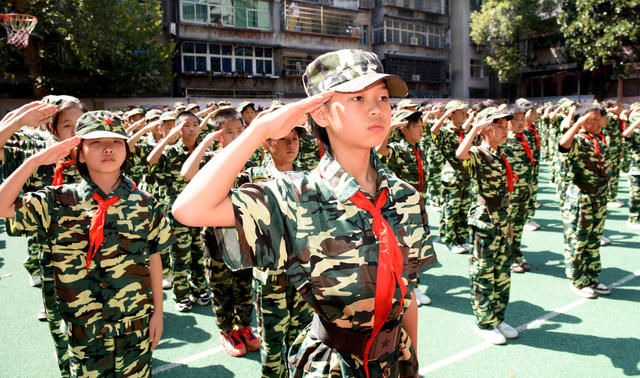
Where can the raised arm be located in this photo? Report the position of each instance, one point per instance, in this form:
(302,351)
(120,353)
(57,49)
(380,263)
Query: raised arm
(382,149)
(463,149)
(629,130)
(205,201)
(31,114)
(435,129)
(155,154)
(10,188)
(469,121)
(136,137)
(192,165)
(567,138)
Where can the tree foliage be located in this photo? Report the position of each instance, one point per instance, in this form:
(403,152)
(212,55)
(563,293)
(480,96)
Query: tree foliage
(92,47)
(500,25)
(599,32)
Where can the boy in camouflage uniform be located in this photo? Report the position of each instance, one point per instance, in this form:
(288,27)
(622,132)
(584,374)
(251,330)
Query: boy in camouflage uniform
(532,132)
(435,159)
(520,155)
(333,233)
(490,223)
(456,183)
(103,250)
(231,291)
(632,136)
(615,144)
(585,208)
(168,156)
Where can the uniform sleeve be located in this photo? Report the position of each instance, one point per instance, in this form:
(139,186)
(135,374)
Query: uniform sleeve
(426,254)
(160,236)
(261,212)
(13,158)
(391,159)
(473,162)
(33,212)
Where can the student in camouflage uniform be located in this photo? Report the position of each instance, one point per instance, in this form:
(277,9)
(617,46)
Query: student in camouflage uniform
(615,144)
(456,183)
(281,311)
(489,219)
(435,160)
(103,249)
(168,156)
(632,136)
(232,311)
(520,155)
(532,132)
(585,208)
(335,236)
(405,158)
(310,152)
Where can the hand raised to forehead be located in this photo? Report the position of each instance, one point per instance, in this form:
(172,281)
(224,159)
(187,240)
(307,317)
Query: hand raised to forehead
(55,153)
(32,114)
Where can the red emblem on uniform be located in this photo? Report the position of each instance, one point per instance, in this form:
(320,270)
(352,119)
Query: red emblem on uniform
(108,121)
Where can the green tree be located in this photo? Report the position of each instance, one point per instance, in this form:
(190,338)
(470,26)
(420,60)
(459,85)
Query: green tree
(500,24)
(92,47)
(601,32)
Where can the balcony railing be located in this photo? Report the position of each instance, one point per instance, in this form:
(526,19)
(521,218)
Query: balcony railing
(431,6)
(319,19)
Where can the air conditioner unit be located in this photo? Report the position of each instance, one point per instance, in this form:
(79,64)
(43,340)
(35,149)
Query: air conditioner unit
(415,77)
(413,41)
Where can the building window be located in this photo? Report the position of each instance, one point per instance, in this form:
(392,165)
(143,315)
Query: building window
(312,18)
(476,68)
(251,14)
(365,35)
(219,58)
(407,33)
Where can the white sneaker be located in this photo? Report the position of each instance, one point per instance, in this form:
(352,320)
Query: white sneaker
(35,281)
(508,331)
(531,225)
(467,246)
(585,292)
(457,249)
(167,283)
(422,298)
(492,336)
(633,226)
(605,241)
(434,208)
(615,204)
(601,288)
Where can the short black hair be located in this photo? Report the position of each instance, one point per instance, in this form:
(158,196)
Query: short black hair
(187,113)
(319,132)
(84,170)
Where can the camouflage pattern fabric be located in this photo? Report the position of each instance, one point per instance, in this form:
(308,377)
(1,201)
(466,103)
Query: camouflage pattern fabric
(403,163)
(489,269)
(556,158)
(114,298)
(615,144)
(522,191)
(435,164)
(634,176)
(309,154)
(281,312)
(456,188)
(584,211)
(537,158)
(303,222)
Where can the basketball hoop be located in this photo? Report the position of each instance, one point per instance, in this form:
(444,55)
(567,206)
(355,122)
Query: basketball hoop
(19,27)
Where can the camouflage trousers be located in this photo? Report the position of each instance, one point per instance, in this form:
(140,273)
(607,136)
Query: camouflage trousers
(634,198)
(434,184)
(489,269)
(583,217)
(531,207)
(126,355)
(188,257)
(231,291)
(454,228)
(281,315)
(520,201)
(57,326)
(615,155)
(31,263)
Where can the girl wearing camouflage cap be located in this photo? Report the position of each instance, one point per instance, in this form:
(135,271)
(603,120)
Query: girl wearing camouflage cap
(104,235)
(355,237)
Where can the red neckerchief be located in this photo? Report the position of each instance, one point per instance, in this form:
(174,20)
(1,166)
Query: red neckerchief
(321,149)
(420,169)
(596,146)
(96,231)
(535,133)
(511,176)
(57,171)
(623,124)
(525,144)
(460,133)
(390,262)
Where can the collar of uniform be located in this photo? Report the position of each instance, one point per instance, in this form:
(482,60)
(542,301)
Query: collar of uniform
(342,184)
(270,166)
(403,142)
(448,123)
(88,187)
(490,149)
(180,144)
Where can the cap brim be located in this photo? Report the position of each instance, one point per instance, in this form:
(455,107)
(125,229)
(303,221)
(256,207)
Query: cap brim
(103,134)
(411,114)
(509,117)
(395,85)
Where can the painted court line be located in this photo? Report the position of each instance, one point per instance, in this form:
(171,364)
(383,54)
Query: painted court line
(534,323)
(437,365)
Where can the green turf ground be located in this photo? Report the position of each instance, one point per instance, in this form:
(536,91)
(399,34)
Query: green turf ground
(587,338)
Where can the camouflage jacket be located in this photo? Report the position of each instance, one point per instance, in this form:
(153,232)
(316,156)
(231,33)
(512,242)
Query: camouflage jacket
(447,142)
(586,169)
(29,138)
(534,144)
(303,222)
(634,152)
(138,165)
(613,133)
(489,172)
(167,171)
(117,289)
(309,155)
(403,163)
(521,165)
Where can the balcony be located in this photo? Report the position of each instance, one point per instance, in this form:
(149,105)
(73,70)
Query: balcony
(430,6)
(320,19)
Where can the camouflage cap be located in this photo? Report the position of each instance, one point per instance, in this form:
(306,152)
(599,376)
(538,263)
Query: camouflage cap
(59,99)
(349,71)
(224,103)
(100,124)
(491,114)
(152,114)
(406,103)
(243,105)
(455,105)
(403,114)
(168,116)
(133,112)
(192,106)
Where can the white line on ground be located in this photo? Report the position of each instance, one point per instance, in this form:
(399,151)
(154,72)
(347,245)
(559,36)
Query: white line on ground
(534,323)
(187,360)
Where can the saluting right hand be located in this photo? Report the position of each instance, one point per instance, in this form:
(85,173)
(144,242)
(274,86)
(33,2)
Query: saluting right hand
(32,114)
(55,153)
